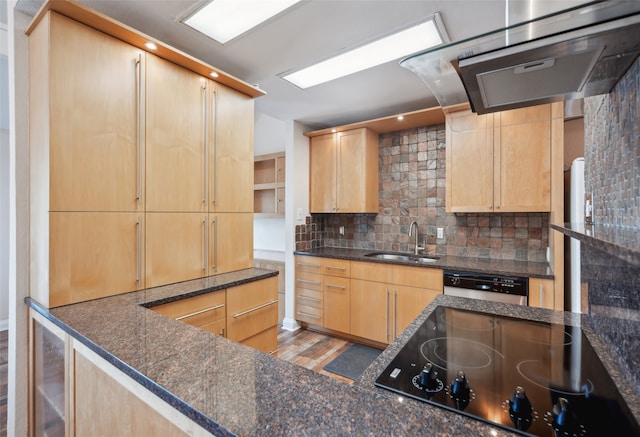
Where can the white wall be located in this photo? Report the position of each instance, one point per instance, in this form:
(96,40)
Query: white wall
(4,177)
(269,233)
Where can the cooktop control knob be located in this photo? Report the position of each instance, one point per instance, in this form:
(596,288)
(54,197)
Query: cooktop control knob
(428,377)
(565,421)
(460,391)
(520,409)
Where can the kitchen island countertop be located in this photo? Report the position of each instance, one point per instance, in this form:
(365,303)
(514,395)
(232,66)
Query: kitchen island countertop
(468,264)
(229,388)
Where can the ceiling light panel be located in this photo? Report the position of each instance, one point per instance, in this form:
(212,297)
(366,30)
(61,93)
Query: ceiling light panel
(392,47)
(224,20)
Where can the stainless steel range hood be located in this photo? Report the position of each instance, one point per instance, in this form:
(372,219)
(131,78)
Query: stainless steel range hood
(569,54)
(567,66)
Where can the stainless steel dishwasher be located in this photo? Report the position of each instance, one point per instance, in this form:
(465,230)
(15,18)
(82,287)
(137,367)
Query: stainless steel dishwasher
(496,288)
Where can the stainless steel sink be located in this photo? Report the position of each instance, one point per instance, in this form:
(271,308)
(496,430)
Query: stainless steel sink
(401,257)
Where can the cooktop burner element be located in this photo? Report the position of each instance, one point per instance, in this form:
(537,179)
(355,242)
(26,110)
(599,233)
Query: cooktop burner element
(530,377)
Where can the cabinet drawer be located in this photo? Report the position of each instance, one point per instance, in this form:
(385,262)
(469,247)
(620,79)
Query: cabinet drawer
(375,272)
(252,321)
(218,327)
(308,281)
(336,267)
(418,277)
(309,314)
(310,264)
(209,306)
(310,298)
(265,341)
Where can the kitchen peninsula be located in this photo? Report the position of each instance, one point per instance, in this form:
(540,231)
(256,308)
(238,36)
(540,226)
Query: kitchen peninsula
(227,388)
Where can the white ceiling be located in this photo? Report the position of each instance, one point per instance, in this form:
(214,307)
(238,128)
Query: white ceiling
(315,30)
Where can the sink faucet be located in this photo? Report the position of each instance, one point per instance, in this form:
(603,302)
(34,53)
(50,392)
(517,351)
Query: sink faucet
(416,248)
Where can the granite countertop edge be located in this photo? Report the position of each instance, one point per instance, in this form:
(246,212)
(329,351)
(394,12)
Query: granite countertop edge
(446,262)
(287,399)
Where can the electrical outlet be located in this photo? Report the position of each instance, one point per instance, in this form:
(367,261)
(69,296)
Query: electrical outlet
(342,230)
(440,233)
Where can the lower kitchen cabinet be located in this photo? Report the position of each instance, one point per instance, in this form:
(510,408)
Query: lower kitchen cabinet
(373,301)
(76,392)
(541,293)
(252,314)
(206,311)
(337,302)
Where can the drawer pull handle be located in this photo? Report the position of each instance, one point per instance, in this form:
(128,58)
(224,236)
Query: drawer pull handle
(315,266)
(301,314)
(335,286)
(342,269)
(200,312)
(235,316)
(306,281)
(309,298)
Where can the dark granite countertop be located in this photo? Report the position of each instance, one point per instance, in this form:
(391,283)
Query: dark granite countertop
(619,242)
(466,264)
(230,388)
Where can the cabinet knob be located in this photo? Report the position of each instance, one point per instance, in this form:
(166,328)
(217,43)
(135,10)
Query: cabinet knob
(497,206)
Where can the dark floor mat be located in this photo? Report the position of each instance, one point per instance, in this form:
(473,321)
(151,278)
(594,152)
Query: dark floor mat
(352,362)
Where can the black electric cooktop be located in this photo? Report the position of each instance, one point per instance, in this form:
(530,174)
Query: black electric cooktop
(530,377)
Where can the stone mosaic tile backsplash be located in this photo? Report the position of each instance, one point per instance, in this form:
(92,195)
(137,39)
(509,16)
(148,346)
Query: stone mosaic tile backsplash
(412,165)
(612,152)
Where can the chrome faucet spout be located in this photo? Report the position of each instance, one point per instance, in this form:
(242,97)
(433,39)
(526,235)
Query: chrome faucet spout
(416,248)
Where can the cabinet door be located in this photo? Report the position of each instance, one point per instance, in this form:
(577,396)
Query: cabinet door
(175,247)
(175,138)
(322,174)
(95,150)
(252,309)
(541,293)
(369,310)
(336,303)
(469,176)
(94,255)
(230,242)
(357,171)
(231,156)
(408,303)
(522,153)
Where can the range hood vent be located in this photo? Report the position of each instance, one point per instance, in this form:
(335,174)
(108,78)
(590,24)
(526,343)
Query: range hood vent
(566,66)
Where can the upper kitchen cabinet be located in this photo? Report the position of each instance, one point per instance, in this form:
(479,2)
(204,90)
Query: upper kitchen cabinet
(343,174)
(499,162)
(231,158)
(175,138)
(86,147)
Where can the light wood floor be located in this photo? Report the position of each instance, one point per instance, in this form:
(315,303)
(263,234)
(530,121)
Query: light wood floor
(311,350)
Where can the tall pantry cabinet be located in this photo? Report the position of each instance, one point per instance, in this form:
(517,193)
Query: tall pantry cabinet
(141,169)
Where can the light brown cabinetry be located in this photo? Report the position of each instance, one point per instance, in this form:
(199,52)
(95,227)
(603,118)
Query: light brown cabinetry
(309,290)
(499,162)
(175,137)
(343,175)
(206,311)
(252,314)
(373,301)
(541,293)
(115,131)
(93,255)
(269,185)
(392,295)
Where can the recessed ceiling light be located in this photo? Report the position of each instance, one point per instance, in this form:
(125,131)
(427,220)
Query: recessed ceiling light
(400,117)
(214,74)
(151,46)
(224,20)
(398,45)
